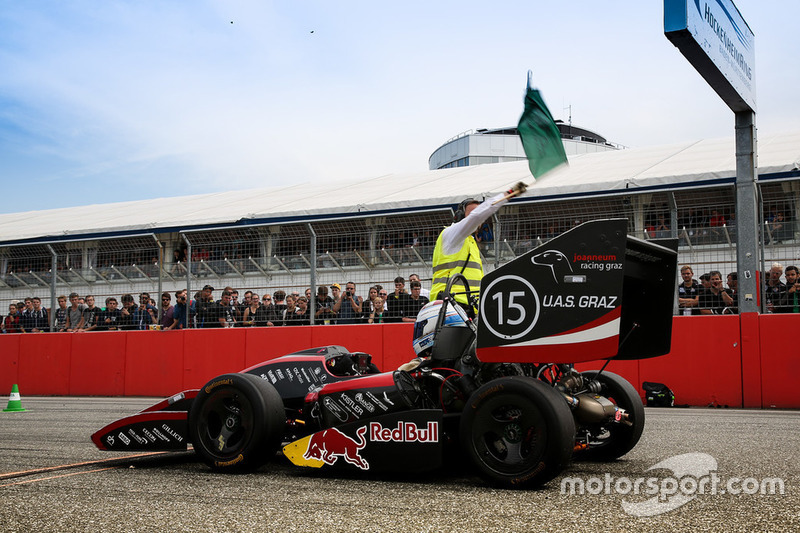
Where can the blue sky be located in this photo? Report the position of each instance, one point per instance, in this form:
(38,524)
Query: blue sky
(112,101)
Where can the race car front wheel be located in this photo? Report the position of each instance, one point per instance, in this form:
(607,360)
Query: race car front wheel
(518,431)
(236,422)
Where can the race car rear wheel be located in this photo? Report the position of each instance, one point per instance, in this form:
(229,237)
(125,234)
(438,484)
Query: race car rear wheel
(236,422)
(518,431)
(611,440)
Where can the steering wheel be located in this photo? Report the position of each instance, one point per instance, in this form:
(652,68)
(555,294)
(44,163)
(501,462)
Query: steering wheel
(448,299)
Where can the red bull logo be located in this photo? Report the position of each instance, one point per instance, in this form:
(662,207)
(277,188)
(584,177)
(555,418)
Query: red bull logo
(329,445)
(404,432)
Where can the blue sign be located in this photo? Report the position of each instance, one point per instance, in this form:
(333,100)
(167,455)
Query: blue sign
(718,42)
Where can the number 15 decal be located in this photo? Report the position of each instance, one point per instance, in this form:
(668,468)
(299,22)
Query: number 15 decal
(510,307)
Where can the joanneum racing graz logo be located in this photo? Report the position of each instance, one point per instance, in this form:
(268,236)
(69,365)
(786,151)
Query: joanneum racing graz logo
(692,474)
(331,444)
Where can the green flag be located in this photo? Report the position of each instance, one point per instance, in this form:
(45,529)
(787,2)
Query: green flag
(540,136)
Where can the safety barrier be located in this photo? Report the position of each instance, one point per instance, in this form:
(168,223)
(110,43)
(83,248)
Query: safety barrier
(738,361)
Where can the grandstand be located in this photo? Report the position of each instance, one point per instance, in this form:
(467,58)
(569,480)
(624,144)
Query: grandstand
(372,230)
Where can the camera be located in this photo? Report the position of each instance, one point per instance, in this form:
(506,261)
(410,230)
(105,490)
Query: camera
(348,294)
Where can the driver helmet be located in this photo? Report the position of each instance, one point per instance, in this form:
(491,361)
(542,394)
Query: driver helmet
(425,325)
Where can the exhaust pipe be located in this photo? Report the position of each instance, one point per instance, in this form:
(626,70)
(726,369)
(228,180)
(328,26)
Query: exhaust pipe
(592,409)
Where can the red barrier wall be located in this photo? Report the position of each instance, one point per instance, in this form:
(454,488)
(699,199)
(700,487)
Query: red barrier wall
(9,361)
(45,361)
(780,360)
(719,360)
(704,366)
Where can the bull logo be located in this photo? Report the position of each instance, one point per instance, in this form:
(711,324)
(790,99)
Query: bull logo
(331,444)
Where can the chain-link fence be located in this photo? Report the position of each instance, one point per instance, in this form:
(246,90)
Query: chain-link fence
(370,250)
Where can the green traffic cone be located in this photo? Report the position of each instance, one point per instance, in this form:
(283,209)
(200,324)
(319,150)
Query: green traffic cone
(14,401)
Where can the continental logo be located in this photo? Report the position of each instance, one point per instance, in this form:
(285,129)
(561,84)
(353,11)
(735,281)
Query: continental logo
(520,480)
(222,464)
(215,384)
(489,391)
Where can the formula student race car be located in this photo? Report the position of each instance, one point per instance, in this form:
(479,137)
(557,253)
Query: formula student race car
(502,387)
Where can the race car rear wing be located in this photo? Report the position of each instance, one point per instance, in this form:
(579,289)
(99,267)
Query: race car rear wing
(593,292)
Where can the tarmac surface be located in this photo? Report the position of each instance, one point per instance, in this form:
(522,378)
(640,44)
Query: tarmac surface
(52,478)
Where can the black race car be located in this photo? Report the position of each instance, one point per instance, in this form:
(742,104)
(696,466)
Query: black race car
(503,388)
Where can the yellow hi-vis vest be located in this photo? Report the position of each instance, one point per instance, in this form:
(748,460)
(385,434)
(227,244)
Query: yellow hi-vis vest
(466,261)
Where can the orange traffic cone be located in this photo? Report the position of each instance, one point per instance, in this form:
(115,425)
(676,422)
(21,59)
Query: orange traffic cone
(14,401)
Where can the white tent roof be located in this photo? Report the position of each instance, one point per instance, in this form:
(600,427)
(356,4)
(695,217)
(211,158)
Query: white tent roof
(680,165)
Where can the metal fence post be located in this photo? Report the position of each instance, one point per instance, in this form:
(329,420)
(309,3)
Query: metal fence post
(53,279)
(160,281)
(188,279)
(312,274)
(748,260)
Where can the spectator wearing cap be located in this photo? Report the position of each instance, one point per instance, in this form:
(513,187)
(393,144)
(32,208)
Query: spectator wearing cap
(348,308)
(206,316)
(336,292)
(324,307)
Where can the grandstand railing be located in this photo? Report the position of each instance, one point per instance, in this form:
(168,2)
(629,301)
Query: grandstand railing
(369,250)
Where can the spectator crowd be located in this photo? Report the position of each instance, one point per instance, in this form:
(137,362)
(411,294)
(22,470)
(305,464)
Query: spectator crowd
(331,304)
(710,297)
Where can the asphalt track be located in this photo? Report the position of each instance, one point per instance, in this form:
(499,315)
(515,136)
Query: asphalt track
(53,479)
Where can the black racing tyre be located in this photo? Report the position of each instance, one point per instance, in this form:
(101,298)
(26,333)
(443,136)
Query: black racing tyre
(612,440)
(236,422)
(519,432)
